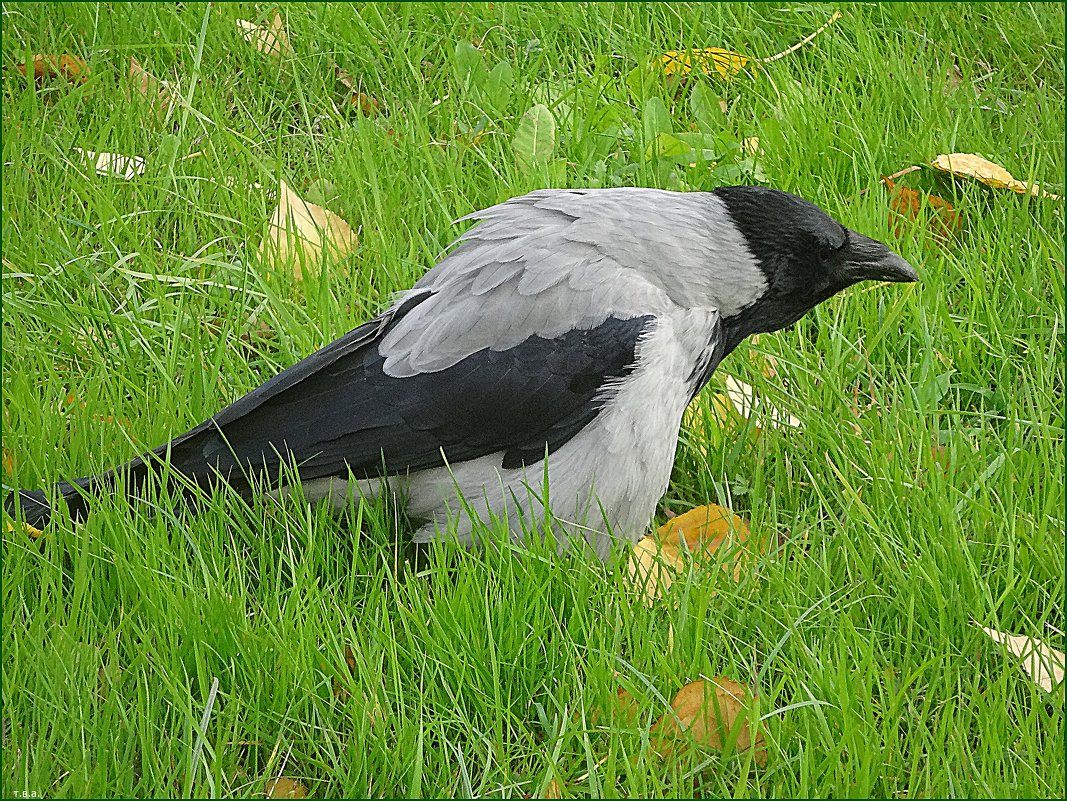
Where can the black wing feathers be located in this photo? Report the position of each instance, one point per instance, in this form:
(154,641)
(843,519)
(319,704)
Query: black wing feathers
(337,410)
(348,414)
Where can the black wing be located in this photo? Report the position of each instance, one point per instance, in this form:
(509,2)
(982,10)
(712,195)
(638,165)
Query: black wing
(337,410)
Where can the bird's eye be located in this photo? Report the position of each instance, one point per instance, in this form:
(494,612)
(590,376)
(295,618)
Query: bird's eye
(826,247)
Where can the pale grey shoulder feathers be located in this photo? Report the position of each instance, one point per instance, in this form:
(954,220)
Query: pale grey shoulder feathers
(554,260)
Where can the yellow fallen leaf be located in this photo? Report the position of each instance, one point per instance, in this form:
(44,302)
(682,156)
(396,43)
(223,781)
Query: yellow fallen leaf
(149,87)
(743,398)
(115,164)
(707,535)
(725,62)
(284,787)
(1041,662)
(340,690)
(968,165)
(750,147)
(622,709)
(625,709)
(299,233)
(710,713)
(271,40)
(31,531)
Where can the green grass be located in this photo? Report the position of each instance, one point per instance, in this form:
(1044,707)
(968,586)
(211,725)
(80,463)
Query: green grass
(133,310)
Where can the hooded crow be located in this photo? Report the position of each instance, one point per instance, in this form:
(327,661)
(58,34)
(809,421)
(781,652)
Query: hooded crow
(543,365)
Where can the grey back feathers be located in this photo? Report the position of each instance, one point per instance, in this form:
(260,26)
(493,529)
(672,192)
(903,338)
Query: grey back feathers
(553,260)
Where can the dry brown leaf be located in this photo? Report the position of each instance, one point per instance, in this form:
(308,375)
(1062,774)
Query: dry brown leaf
(707,535)
(150,87)
(74,405)
(340,691)
(709,713)
(1041,662)
(744,400)
(300,232)
(9,462)
(361,101)
(553,789)
(114,164)
(72,68)
(625,710)
(968,165)
(284,787)
(945,222)
(941,457)
(346,78)
(271,40)
(366,104)
(103,684)
(706,60)
(104,681)
(703,432)
(622,710)
(953,79)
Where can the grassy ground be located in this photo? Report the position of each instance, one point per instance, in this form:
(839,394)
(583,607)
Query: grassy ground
(924,491)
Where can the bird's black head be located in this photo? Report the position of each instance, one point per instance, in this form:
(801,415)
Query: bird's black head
(805,255)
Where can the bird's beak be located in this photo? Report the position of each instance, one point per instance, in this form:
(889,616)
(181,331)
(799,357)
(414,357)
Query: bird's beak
(870,260)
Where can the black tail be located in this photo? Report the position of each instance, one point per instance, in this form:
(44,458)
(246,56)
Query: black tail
(181,459)
(35,507)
